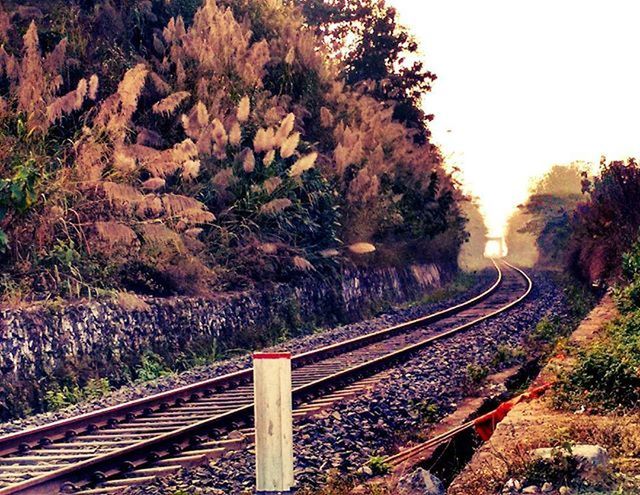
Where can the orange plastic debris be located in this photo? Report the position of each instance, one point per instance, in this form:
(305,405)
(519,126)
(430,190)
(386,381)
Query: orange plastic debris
(486,425)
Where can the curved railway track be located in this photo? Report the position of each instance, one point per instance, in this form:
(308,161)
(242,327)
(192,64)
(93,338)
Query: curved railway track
(105,450)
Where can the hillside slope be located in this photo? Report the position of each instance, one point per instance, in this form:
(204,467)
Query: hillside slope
(177,148)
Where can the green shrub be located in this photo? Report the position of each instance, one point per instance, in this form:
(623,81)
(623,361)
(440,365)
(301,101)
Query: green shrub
(605,377)
(628,296)
(378,465)
(506,355)
(429,411)
(606,374)
(60,397)
(132,168)
(151,367)
(476,373)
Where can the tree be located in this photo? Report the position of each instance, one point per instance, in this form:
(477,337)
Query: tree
(539,233)
(606,225)
(378,54)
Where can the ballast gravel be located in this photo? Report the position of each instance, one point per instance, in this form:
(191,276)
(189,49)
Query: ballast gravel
(346,436)
(297,345)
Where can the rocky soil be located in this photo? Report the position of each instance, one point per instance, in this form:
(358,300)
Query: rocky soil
(297,345)
(538,449)
(348,435)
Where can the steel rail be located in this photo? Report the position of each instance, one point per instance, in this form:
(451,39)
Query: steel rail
(65,428)
(164,446)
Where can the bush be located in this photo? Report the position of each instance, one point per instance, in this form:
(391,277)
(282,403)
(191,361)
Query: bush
(628,295)
(60,397)
(606,375)
(185,147)
(606,225)
(600,381)
(378,466)
(539,232)
(151,367)
(476,373)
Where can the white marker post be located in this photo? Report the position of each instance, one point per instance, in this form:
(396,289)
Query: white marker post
(273,423)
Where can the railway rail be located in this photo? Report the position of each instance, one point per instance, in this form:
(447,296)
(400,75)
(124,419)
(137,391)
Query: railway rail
(104,451)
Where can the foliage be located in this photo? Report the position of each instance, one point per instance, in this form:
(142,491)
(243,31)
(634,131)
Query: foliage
(476,373)
(628,295)
(472,252)
(604,378)
(182,147)
(546,218)
(606,373)
(429,412)
(378,54)
(151,367)
(378,466)
(507,355)
(548,330)
(606,225)
(552,328)
(63,396)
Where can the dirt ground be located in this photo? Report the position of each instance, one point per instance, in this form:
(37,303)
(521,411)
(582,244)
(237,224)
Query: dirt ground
(536,424)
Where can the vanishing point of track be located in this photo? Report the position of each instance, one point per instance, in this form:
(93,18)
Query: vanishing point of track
(106,450)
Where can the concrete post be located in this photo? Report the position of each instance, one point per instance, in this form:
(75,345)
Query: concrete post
(273,423)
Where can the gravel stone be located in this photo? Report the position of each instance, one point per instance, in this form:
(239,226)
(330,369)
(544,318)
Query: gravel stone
(321,338)
(369,425)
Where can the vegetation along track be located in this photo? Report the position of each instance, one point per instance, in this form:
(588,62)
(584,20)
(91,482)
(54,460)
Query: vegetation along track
(97,452)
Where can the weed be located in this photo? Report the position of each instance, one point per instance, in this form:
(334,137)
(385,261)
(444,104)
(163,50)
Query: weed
(547,332)
(562,469)
(476,373)
(507,355)
(151,367)
(428,411)
(201,356)
(60,397)
(604,378)
(378,466)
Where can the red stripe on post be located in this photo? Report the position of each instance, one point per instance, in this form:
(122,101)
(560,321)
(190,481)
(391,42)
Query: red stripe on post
(272,355)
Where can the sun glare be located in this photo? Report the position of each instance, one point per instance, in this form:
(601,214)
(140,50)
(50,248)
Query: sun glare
(517,86)
(495,248)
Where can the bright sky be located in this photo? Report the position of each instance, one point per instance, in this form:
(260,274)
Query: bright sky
(524,84)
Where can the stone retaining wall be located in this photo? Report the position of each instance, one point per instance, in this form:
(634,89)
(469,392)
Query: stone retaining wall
(45,345)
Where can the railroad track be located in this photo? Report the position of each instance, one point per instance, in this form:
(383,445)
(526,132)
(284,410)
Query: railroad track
(106,450)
